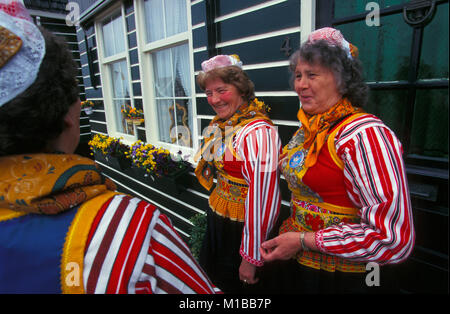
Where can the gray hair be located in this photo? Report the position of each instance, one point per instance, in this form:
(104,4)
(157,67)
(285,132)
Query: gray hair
(347,71)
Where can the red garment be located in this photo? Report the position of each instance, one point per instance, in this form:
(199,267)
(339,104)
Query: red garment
(252,158)
(126,245)
(133,248)
(325,169)
(258,145)
(376,183)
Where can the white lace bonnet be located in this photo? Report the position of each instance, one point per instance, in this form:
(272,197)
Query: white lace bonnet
(221,61)
(22,48)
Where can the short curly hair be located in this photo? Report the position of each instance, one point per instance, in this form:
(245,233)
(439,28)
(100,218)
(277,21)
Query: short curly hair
(230,75)
(35,117)
(348,72)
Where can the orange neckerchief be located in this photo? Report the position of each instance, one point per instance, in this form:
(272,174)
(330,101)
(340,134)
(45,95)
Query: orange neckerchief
(48,183)
(246,113)
(316,127)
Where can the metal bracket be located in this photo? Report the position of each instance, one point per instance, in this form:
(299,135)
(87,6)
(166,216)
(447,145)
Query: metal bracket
(418,13)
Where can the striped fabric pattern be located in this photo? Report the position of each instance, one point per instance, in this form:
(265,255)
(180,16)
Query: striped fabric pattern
(259,145)
(133,248)
(376,182)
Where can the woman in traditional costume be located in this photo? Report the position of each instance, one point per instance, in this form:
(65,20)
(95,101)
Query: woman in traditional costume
(350,203)
(63,227)
(241,145)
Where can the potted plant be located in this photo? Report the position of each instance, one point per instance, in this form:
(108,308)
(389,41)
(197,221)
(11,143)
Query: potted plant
(158,167)
(87,106)
(132,115)
(98,147)
(110,150)
(197,233)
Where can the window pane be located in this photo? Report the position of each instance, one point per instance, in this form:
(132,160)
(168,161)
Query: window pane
(113,35)
(121,94)
(182,73)
(164,18)
(172,77)
(184,123)
(390,106)
(429,136)
(154,18)
(164,121)
(163,73)
(434,57)
(172,72)
(385,55)
(175,121)
(176,19)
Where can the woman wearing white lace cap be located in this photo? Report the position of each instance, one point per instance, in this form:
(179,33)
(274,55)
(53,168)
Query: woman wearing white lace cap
(63,227)
(350,203)
(241,145)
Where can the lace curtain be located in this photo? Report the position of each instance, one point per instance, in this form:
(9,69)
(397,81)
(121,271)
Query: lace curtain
(113,36)
(171,70)
(114,43)
(172,81)
(164,18)
(121,94)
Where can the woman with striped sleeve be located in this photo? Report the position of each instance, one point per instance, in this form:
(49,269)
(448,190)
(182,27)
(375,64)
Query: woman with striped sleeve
(63,227)
(350,202)
(241,145)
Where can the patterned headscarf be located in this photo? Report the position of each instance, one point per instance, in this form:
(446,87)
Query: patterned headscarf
(316,127)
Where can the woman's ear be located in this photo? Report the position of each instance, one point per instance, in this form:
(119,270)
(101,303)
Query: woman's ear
(69,138)
(72,117)
(69,120)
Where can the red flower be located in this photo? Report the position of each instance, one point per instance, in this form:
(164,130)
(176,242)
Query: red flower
(315,222)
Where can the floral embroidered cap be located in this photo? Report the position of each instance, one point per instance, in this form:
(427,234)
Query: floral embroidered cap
(221,61)
(22,48)
(335,38)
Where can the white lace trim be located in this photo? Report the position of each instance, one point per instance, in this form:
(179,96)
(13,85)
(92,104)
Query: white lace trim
(22,69)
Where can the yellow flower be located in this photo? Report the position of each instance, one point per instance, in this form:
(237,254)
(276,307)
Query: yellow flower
(236,57)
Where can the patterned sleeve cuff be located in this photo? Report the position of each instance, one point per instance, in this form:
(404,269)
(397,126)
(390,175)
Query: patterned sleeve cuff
(319,241)
(251,260)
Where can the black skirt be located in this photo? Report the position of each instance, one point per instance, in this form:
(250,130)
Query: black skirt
(290,277)
(220,256)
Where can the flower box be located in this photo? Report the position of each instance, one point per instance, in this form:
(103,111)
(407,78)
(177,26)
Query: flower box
(172,183)
(98,156)
(118,163)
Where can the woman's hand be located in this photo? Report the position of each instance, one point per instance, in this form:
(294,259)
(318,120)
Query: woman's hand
(282,247)
(247,272)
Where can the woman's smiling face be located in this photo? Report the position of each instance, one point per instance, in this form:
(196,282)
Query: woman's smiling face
(224,98)
(316,87)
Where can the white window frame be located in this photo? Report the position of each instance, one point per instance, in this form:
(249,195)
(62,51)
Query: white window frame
(104,65)
(307,18)
(146,70)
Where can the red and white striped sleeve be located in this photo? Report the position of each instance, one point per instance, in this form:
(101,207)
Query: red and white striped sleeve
(259,145)
(375,180)
(133,248)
